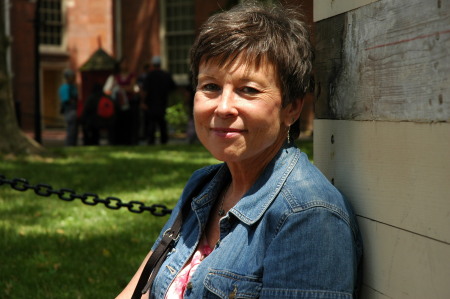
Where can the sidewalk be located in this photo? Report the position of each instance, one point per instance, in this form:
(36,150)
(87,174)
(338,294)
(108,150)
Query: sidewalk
(51,137)
(57,137)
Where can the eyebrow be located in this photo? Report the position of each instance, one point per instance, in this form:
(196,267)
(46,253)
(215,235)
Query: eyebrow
(205,77)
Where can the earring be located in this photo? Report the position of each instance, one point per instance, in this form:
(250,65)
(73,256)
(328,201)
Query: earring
(289,135)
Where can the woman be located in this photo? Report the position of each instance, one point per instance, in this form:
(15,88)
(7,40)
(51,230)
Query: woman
(120,86)
(266,223)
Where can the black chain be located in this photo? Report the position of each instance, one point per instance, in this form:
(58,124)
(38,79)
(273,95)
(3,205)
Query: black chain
(90,199)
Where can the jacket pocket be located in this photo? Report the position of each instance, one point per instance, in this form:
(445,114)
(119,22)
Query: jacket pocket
(226,284)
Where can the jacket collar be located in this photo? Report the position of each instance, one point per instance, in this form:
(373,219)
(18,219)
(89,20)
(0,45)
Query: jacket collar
(255,202)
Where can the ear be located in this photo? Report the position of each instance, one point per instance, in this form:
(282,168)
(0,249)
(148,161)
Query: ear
(292,112)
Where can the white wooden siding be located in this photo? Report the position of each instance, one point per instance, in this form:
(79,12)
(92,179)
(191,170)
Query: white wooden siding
(397,177)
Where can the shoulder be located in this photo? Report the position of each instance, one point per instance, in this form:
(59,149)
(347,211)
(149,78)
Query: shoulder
(64,87)
(206,171)
(308,192)
(307,186)
(130,77)
(64,91)
(199,179)
(151,75)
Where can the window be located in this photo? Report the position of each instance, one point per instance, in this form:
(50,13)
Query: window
(51,18)
(179,36)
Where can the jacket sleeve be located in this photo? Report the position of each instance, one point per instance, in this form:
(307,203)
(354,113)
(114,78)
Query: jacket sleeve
(312,256)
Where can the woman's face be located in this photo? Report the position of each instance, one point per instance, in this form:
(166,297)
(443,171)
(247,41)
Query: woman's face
(238,111)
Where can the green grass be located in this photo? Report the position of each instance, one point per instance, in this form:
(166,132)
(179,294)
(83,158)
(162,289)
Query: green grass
(50,248)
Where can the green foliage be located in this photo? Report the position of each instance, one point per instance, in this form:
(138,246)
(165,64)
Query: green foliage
(177,117)
(56,249)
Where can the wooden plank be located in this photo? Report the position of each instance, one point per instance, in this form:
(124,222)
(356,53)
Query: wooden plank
(368,293)
(327,8)
(400,264)
(328,62)
(390,60)
(397,173)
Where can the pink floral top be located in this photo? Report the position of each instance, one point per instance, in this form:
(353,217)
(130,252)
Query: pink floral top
(178,286)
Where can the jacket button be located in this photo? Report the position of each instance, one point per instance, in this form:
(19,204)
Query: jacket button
(233,294)
(189,286)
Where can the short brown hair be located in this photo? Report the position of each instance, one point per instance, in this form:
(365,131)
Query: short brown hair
(259,32)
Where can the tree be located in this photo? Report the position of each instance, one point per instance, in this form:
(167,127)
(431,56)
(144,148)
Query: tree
(12,139)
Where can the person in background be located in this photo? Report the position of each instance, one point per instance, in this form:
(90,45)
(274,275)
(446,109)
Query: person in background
(156,89)
(141,78)
(126,81)
(89,117)
(266,223)
(142,124)
(68,95)
(120,86)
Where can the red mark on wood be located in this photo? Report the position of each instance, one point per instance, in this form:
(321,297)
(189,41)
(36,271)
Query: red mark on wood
(408,40)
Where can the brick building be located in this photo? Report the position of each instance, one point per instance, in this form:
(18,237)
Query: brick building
(72,30)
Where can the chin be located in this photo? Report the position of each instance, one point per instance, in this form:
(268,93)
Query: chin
(224,154)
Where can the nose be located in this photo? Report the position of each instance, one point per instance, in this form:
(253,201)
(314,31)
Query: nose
(226,103)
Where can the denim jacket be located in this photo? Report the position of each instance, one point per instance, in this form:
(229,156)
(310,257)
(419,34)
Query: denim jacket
(292,235)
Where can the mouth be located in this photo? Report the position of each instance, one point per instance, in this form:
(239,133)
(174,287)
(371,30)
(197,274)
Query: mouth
(227,132)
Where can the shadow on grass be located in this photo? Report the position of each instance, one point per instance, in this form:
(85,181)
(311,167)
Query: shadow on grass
(54,264)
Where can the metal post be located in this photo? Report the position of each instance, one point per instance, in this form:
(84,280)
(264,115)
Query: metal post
(37,90)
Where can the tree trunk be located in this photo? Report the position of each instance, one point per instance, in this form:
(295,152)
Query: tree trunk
(12,139)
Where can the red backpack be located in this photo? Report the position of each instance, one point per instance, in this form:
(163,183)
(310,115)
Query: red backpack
(105,107)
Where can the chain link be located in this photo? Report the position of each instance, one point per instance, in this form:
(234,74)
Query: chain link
(90,199)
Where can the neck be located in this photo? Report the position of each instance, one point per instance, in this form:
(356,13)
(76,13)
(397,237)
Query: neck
(242,179)
(245,173)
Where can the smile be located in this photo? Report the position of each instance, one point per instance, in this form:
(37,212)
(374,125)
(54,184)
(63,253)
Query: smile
(227,132)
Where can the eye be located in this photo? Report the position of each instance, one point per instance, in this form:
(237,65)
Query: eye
(249,90)
(210,87)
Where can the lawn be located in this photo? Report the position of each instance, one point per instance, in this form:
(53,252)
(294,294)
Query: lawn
(51,248)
